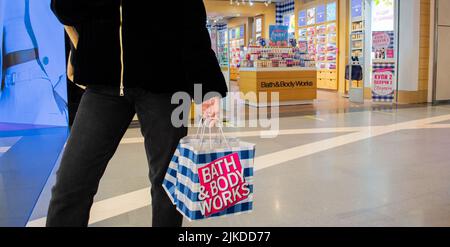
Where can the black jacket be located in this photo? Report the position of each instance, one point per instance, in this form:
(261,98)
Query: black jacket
(165,45)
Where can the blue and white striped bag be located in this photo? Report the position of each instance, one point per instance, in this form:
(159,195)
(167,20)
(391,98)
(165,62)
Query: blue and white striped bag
(182,182)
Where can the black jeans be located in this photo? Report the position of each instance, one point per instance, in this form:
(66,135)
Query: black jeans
(102,119)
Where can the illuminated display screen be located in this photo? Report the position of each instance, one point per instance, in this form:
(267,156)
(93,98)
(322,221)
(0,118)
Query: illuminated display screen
(33,87)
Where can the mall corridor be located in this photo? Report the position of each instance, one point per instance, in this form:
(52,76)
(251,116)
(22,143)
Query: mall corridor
(376,166)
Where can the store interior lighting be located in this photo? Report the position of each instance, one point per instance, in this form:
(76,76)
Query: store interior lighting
(249,2)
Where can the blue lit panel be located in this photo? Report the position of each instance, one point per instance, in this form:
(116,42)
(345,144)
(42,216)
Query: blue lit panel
(33,88)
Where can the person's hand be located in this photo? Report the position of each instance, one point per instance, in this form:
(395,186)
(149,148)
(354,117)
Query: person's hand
(211,111)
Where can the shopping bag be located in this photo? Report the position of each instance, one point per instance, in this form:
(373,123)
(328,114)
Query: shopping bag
(211,177)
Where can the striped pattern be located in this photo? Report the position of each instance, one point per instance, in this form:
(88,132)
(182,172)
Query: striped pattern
(221,27)
(218,27)
(283,8)
(390,66)
(182,182)
(377,66)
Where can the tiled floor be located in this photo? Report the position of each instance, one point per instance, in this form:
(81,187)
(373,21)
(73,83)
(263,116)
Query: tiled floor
(333,164)
(27,156)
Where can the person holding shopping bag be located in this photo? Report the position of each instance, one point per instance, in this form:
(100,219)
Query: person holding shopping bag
(131,63)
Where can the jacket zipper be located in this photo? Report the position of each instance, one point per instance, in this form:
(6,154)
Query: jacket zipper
(121,51)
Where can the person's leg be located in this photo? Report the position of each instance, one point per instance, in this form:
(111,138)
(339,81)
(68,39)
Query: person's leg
(161,140)
(100,124)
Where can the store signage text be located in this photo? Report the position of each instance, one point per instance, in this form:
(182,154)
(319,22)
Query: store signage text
(287,84)
(383,82)
(381,40)
(279,35)
(222,184)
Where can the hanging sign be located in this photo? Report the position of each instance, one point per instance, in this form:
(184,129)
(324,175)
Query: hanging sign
(278,35)
(356,8)
(331,11)
(320,14)
(302,18)
(311,16)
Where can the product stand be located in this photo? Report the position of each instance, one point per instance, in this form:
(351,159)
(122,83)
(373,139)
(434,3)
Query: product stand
(263,80)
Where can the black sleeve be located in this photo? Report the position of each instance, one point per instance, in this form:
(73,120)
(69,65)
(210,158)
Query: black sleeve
(205,67)
(72,12)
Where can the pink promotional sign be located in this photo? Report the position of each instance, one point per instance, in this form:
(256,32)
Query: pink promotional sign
(222,184)
(383,80)
(381,40)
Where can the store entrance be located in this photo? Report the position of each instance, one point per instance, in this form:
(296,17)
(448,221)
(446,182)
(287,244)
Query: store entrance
(289,47)
(313,53)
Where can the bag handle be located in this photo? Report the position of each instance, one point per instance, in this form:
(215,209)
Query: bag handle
(202,127)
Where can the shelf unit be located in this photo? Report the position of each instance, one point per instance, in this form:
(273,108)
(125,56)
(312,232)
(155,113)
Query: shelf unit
(322,41)
(222,47)
(237,43)
(357,37)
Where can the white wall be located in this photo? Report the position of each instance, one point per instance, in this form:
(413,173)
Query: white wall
(409,37)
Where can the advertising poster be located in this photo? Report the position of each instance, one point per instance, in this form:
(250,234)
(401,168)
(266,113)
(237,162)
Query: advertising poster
(311,16)
(331,11)
(302,18)
(383,76)
(382,45)
(383,16)
(321,14)
(383,89)
(33,78)
(278,35)
(356,8)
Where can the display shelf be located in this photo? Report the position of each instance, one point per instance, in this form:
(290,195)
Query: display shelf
(323,45)
(222,48)
(276,57)
(237,42)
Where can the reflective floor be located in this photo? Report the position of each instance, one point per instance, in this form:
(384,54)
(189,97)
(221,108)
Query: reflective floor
(361,166)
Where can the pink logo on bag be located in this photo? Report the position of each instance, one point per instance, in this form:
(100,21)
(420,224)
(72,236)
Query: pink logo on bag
(222,184)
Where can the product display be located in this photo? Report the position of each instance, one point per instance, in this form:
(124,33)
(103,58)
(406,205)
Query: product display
(321,39)
(357,38)
(237,43)
(222,47)
(259,57)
